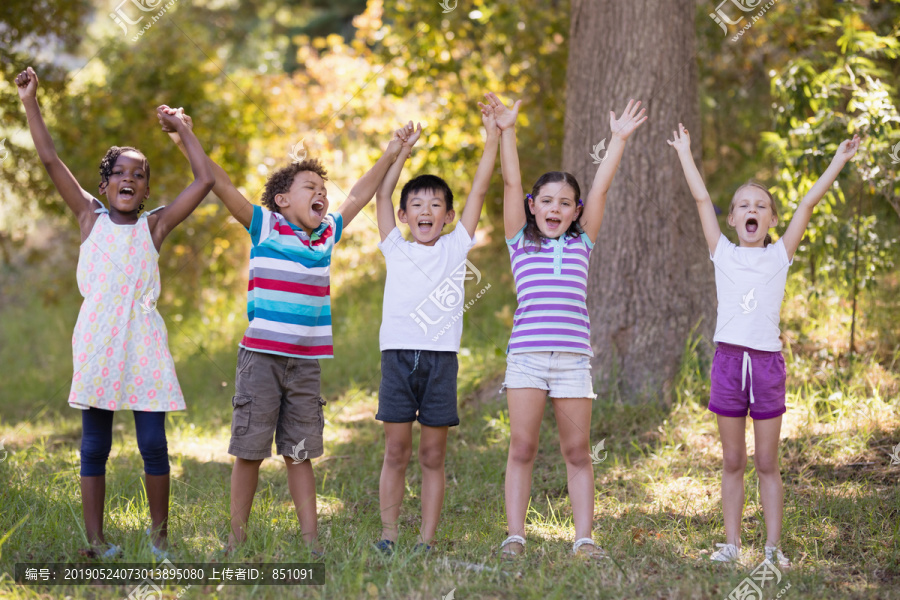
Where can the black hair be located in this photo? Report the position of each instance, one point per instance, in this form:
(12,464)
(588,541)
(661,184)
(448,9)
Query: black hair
(281,180)
(110,158)
(426,182)
(532,233)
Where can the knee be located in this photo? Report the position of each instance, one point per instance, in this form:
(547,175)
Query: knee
(522,450)
(734,462)
(396,454)
(431,457)
(576,455)
(766,464)
(155,451)
(94,454)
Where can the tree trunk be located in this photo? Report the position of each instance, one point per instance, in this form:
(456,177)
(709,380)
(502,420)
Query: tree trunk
(651,280)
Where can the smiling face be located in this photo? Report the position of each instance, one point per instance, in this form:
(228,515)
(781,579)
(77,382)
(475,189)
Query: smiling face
(426,214)
(128,185)
(752,214)
(306,202)
(555,208)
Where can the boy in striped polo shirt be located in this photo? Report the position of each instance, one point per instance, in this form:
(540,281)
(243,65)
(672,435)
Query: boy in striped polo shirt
(288,305)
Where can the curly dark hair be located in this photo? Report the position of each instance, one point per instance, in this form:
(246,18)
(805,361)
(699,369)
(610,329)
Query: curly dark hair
(426,182)
(281,180)
(532,233)
(110,158)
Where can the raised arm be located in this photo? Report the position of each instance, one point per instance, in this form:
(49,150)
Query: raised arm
(364,189)
(595,203)
(794,233)
(78,200)
(384,207)
(711,230)
(513,196)
(239,207)
(164,221)
(472,211)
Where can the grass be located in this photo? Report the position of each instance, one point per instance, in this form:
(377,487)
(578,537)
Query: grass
(657,491)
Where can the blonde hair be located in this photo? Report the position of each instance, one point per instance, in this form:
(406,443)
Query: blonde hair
(772,205)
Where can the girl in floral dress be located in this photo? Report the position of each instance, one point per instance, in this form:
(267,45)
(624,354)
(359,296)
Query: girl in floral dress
(120,346)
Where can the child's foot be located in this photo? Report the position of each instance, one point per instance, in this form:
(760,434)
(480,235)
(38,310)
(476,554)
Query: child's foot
(774,556)
(106,551)
(422,547)
(158,553)
(728,553)
(587,548)
(512,547)
(386,547)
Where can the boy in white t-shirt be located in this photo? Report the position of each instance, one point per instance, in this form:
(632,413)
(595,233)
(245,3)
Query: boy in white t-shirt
(421,327)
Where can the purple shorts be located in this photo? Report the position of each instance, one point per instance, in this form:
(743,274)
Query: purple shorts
(744,378)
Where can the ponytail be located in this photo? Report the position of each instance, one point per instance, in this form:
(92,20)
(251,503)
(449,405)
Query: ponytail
(767,241)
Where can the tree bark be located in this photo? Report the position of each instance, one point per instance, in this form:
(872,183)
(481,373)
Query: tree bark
(651,280)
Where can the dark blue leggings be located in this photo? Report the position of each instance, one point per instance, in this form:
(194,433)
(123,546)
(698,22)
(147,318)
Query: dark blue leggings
(96,441)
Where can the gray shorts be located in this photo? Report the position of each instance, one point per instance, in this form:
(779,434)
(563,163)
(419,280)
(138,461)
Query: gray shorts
(276,394)
(418,382)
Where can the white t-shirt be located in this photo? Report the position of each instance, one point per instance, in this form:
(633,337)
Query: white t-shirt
(424,291)
(750,288)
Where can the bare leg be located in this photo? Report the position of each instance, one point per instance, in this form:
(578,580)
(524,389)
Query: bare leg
(526,409)
(93,495)
(573,418)
(158,498)
(302,483)
(432,452)
(392,486)
(244,479)
(734,461)
(771,492)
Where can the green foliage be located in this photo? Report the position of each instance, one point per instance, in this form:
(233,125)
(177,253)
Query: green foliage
(818,100)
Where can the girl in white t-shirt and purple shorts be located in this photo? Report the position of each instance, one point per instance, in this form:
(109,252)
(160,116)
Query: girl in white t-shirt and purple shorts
(748,371)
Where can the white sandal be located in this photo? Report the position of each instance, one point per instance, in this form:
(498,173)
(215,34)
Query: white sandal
(594,552)
(513,539)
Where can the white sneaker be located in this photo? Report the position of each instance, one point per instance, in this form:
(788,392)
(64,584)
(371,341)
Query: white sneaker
(728,553)
(774,556)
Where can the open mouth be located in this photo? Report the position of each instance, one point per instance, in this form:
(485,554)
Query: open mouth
(126,192)
(318,208)
(752,225)
(553,224)
(425,225)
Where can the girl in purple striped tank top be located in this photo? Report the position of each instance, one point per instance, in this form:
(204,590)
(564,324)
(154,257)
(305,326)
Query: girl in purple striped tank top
(550,236)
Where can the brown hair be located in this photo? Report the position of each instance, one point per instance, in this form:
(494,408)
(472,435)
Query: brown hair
(772,205)
(281,180)
(532,233)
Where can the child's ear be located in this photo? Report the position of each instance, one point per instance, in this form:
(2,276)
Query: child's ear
(281,201)
(448,218)
(401,214)
(774,221)
(730,220)
(102,187)
(531,205)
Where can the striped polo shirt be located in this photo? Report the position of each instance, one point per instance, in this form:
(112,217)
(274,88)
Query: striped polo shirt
(289,293)
(551,286)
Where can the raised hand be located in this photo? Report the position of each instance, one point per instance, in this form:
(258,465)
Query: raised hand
(630,120)
(411,135)
(27,84)
(488,119)
(504,116)
(681,139)
(169,118)
(847,150)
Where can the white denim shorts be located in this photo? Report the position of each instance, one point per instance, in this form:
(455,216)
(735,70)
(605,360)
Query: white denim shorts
(562,374)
